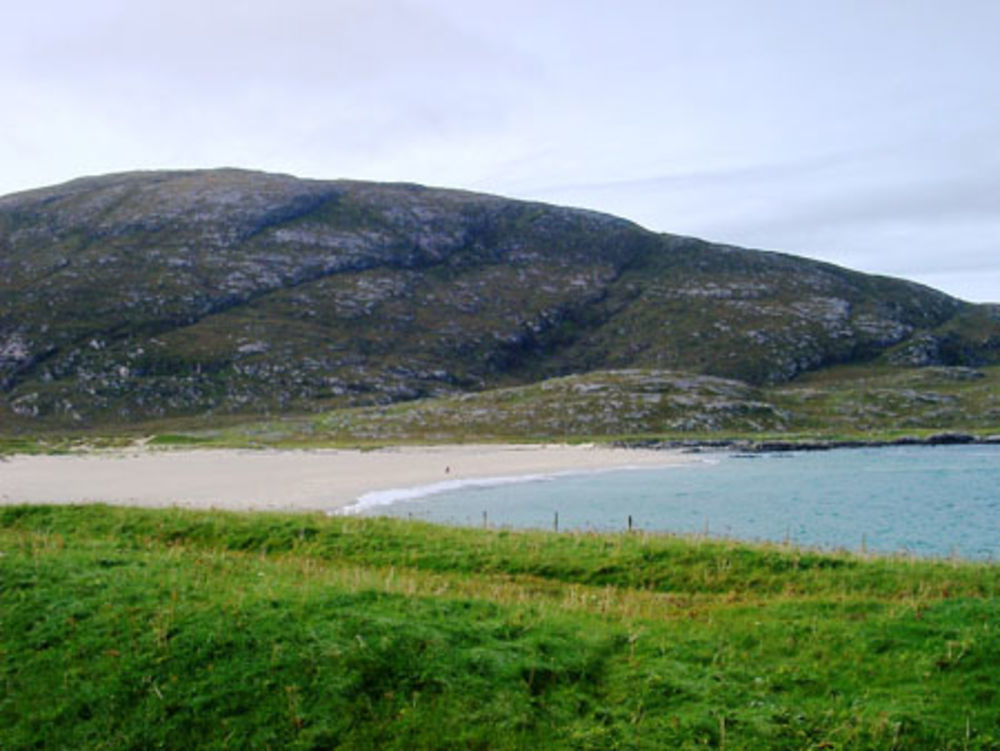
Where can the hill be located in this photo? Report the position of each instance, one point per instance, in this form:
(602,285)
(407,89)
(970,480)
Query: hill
(140,296)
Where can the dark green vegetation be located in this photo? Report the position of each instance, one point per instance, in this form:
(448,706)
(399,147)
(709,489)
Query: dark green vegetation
(158,296)
(167,629)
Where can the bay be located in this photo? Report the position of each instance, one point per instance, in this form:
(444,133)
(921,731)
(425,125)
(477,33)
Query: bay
(927,501)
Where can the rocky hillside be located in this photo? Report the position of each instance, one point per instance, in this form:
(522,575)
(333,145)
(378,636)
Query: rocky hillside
(145,295)
(840,403)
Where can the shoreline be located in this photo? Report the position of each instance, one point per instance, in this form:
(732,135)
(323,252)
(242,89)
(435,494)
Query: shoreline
(326,480)
(778,445)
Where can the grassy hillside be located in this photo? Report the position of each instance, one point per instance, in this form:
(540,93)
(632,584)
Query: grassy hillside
(124,628)
(872,402)
(843,404)
(146,296)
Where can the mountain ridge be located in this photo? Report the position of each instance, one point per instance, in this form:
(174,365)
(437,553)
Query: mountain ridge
(154,294)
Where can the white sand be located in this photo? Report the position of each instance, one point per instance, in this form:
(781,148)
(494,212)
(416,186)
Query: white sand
(288,480)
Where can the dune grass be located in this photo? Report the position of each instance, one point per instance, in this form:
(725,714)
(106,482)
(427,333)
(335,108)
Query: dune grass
(128,628)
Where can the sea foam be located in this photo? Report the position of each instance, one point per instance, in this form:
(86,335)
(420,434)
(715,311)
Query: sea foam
(377,498)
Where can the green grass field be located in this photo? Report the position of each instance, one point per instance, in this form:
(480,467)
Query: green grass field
(136,629)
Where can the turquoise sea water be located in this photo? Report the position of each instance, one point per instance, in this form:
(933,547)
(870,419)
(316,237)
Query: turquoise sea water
(927,501)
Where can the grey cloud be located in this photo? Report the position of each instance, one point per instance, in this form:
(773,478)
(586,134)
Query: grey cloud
(326,59)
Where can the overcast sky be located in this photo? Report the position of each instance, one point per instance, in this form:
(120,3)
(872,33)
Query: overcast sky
(865,132)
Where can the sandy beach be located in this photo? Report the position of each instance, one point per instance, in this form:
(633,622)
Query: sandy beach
(313,480)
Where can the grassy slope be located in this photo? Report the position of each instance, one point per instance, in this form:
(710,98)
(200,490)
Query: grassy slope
(138,629)
(848,402)
(869,402)
(866,399)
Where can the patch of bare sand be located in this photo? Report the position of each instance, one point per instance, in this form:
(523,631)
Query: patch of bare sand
(316,480)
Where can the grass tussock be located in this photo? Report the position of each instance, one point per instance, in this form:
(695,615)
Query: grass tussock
(126,628)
